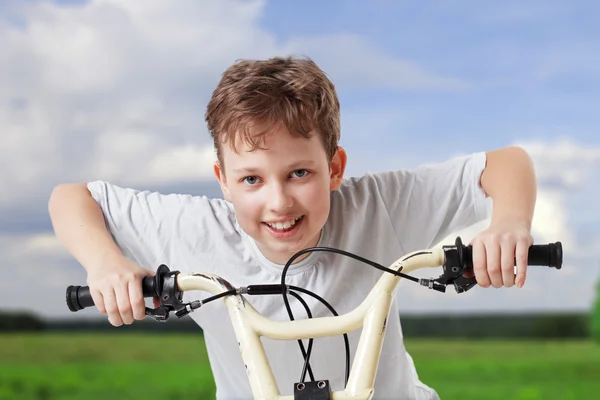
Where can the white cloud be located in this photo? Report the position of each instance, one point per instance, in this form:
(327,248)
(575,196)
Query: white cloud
(564,161)
(550,222)
(44,244)
(116,90)
(32,247)
(566,170)
(149,159)
(37,270)
(111,89)
(185,162)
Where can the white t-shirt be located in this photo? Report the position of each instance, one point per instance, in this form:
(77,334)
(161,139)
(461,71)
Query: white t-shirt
(378,216)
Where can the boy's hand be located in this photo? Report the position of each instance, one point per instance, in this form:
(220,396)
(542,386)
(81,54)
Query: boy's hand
(116,288)
(495,251)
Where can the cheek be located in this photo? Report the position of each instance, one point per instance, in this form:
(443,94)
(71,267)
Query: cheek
(316,198)
(247,206)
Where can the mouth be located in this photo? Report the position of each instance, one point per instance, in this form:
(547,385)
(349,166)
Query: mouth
(284,226)
(284,229)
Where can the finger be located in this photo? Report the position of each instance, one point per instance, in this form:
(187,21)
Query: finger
(156,302)
(136,298)
(110,302)
(507,260)
(98,300)
(479,264)
(521,255)
(124,304)
(492,251)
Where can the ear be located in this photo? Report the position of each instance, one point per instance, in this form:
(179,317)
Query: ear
(220,175)
(338,166)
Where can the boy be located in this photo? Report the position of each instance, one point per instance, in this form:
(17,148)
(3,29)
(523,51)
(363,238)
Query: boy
(276,127)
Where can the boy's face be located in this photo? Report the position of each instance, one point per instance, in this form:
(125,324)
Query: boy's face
(281,195)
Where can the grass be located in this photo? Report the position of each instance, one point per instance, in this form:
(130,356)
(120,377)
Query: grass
(124,366)
(519,370)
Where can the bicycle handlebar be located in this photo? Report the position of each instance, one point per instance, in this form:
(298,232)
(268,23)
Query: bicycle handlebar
(79,297)
(249,325)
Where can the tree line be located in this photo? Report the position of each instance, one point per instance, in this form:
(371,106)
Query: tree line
(532,325)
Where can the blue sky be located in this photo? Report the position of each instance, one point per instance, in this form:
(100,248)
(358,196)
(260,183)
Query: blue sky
(116,90)
(527,70)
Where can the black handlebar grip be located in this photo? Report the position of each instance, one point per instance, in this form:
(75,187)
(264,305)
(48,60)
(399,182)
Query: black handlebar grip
(79,297)
(547,255)
(550,255)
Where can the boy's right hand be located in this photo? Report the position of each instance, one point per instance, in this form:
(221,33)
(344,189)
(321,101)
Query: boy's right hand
(116,288)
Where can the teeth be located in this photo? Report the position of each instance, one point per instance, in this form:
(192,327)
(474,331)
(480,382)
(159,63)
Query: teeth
(282,226)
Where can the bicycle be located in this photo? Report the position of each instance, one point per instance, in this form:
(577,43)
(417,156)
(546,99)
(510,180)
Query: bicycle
(249,325)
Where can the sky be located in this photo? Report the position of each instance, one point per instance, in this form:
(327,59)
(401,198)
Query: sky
(116,90)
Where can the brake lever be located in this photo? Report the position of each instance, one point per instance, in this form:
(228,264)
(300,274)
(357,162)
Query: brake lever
(462,284)
(160,313)
(168,294)
(457,260)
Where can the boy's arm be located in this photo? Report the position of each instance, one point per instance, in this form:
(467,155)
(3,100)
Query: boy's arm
(114,281)
(509,179)
(79,224)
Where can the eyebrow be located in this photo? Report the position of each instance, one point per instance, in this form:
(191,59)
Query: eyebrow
(292,166)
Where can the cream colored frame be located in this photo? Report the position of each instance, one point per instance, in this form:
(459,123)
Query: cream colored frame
(250,325)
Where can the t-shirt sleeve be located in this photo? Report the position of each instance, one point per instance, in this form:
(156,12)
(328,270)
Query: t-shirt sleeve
(140,222)
(427,204)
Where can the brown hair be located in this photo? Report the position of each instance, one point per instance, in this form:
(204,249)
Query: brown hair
(291,91)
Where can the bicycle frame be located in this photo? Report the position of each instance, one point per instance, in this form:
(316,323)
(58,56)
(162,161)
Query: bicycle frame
(249,325)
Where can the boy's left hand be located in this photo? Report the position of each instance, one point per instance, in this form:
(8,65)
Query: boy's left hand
(495,251)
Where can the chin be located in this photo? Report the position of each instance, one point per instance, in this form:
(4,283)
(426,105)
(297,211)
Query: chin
(284,251)
(289,250)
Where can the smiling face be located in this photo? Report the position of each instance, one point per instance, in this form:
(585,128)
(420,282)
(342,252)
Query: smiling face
(281,192)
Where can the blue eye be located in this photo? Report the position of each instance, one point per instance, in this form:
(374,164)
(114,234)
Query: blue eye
(250,180)
(300,173)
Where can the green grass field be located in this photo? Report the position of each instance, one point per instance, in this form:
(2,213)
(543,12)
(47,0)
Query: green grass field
(123,366)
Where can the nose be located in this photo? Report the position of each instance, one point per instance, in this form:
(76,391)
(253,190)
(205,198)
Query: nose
(279,199)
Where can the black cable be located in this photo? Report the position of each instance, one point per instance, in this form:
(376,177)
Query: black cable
(305,354)
(346,341)
(337,251)
(347,254)
(218,296)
